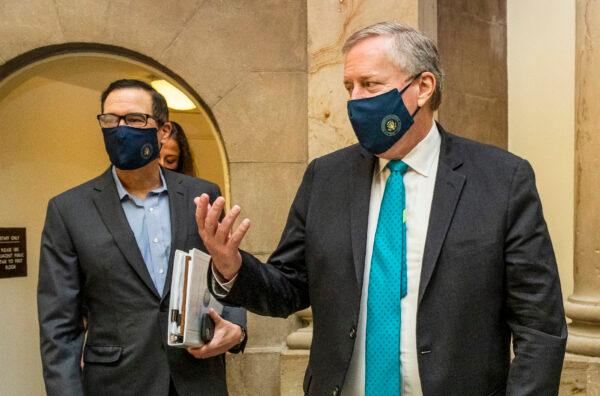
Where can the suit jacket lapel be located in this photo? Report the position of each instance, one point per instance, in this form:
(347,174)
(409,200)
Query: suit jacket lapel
(110,209)
(448,187)
(360,196)
(178,202)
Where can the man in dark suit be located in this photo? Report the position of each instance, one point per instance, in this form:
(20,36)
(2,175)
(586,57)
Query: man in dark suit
(421,253)
(106,256)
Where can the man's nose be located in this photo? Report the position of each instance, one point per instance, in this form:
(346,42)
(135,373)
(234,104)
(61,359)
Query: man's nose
(358,93)
(122,121)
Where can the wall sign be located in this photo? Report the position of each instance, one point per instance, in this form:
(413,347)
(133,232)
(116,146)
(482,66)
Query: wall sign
(13,252)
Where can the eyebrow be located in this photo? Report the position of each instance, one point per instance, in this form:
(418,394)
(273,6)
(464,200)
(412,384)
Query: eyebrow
(364,76)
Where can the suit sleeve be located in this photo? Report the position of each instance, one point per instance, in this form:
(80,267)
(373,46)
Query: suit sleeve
(59,308)
(534,303)
(279,287)
(233,314)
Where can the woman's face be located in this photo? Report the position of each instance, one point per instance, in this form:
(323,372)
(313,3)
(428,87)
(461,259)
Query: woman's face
(169,154)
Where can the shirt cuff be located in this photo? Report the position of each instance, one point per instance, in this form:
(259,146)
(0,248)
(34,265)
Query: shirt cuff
(221,287)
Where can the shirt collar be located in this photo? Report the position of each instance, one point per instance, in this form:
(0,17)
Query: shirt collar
(123,192)
(422,156)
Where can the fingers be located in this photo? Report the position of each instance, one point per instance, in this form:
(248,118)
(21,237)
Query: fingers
(218,239)
(239,233)
(227,335)
(214,315)
(201,352)
(213,348)
(201,211)
(212,217)
(224,229)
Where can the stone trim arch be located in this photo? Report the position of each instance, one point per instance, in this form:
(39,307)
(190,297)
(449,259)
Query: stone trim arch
(37,55)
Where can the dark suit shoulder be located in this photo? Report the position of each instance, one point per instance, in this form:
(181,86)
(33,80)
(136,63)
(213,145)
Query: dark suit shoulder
(340,158)
(488,167)
(83,190)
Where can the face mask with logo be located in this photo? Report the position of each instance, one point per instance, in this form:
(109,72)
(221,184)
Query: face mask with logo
(380,121)
(131,148)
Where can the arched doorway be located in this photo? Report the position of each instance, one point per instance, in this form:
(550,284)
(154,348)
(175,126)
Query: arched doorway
(50,141)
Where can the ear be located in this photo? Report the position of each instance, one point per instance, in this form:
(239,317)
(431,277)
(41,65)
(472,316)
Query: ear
(164,132)
(427,84)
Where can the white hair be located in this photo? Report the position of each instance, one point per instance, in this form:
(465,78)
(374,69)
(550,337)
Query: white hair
(411,51)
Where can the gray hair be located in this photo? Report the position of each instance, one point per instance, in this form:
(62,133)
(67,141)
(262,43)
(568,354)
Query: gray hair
(411,51)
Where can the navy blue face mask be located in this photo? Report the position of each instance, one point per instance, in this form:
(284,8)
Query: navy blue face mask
(380,121)
(131,148)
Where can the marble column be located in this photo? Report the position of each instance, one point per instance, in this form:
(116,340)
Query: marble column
(471,38)
(583,306)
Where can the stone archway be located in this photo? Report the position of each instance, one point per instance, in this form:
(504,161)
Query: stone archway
(92,66)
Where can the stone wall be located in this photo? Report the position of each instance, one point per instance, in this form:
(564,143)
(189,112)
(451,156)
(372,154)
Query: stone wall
(472,45)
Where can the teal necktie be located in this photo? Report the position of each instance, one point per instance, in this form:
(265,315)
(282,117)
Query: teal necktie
(387,286)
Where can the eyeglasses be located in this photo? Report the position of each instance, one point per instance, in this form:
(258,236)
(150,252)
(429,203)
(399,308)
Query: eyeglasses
(137,120)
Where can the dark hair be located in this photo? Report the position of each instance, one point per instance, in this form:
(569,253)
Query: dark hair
(160,111)
(186,161)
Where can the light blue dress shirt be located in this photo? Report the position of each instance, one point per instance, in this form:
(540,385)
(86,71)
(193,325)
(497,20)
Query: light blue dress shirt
(150,221)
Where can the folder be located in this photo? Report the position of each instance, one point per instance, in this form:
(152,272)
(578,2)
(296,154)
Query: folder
(189,322)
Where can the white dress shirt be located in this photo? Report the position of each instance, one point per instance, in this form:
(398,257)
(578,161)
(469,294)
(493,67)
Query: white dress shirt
(419,182)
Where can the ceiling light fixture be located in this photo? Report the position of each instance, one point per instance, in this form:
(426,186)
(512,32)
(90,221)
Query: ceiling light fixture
(176,99)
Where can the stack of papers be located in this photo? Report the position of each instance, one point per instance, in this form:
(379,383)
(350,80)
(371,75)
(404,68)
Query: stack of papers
(189,322)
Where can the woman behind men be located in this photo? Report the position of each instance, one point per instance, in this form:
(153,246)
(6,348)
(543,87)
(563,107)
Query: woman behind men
(175,153)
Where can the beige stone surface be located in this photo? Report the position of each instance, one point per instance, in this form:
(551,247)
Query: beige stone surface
(328,124)
(87,20)
(541,125)
(329,24)
(226,39)
(488,11)
(472,46)
(265,192)
(580,376)
(302,337)
(583,307)
(140,26)
(25,25)
(266,331)
(255,372)
(475,117)
(263,119)
(293,367)
(473,54)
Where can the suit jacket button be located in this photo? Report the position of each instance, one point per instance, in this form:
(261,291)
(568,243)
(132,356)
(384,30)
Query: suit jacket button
(352,332)
(336,391)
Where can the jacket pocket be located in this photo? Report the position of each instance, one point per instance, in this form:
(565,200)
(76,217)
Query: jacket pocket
(102,354)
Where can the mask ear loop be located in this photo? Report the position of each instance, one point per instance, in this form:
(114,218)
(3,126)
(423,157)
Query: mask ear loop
(406,87)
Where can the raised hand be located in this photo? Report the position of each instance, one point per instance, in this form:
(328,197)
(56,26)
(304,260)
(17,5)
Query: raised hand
(222,244)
